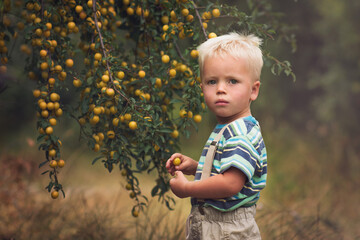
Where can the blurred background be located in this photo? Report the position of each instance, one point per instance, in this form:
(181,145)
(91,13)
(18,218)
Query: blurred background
(310,127)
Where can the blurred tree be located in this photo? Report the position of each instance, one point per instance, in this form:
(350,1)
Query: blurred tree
(324,100)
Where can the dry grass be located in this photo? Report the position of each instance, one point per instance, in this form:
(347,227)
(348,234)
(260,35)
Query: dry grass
(26,212)
(309,204)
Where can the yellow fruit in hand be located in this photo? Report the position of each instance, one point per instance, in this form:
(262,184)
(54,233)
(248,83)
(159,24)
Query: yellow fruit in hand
(54,194)
(177,161)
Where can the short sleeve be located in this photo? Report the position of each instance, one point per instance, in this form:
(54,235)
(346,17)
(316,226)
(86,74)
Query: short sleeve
(238,152)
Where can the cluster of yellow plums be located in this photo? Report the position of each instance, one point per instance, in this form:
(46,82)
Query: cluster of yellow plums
(128,92)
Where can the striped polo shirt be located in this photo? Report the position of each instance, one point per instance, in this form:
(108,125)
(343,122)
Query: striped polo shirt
(242,147)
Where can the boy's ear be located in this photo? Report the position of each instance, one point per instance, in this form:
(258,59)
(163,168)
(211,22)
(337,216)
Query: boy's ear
(255,90)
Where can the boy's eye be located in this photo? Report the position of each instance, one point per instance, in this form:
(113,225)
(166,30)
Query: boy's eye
(211,82)
(233,81)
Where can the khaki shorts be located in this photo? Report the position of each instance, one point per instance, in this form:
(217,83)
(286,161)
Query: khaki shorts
(207,223)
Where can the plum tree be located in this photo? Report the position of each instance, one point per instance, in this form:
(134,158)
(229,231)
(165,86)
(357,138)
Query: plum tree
(133,64)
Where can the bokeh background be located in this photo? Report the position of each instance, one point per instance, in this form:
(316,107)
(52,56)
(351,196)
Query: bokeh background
(310,127)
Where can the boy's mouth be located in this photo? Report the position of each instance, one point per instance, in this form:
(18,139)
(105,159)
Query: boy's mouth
(221,102)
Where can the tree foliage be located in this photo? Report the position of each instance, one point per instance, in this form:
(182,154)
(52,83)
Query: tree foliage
(131,68)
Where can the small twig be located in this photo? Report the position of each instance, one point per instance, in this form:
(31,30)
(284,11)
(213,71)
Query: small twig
(199,18)
(179,52)
(104,51)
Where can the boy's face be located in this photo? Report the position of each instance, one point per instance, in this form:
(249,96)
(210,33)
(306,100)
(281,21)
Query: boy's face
(228,88)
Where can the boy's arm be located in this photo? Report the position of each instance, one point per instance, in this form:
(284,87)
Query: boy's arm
(220,186)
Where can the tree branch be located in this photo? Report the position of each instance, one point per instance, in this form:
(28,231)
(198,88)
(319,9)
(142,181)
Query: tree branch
(199,18)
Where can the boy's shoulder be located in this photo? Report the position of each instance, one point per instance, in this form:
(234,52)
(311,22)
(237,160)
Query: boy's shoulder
(242,127)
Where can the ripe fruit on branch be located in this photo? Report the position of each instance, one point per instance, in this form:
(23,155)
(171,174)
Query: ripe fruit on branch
(197,118)
(61,163)
(135,213)
(69,62)
(216,12)
(132,125)
(165,58)
(142,74)
(53,164)
(212,35)
(54,194)
(110,92)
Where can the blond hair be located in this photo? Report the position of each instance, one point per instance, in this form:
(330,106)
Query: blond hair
(236,45)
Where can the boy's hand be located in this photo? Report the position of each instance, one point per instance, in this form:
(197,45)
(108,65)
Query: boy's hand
(187,166)
(178,185)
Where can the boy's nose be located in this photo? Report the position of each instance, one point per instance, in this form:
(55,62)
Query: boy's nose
(221,88)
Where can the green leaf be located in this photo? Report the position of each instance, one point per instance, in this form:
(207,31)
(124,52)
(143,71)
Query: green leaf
(43,163)
(95,160)
(154,191)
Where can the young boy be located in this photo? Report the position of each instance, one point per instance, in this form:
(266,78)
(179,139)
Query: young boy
(223,205)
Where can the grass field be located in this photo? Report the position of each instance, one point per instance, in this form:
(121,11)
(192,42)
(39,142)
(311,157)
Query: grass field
(313,202)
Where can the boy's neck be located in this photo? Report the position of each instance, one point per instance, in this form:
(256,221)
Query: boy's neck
(231,119)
